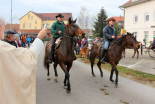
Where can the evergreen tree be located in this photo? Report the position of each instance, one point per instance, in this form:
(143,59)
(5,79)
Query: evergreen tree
(100,22)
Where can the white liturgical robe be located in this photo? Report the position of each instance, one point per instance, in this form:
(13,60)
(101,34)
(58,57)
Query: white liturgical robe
(18,73)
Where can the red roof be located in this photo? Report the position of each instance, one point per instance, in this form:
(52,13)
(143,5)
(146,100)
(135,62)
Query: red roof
(14,27)
(51,16)
(130,1)
(120,18)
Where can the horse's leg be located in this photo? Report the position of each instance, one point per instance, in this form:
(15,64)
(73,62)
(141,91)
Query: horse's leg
(92,59)
(111,75)
(116,71)
(112,71)
(55,70)
(99,66)
(48,72)
(134,53)
(137,53)
(68,76)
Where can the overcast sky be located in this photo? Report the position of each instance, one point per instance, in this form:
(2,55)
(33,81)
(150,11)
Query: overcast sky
(21,7)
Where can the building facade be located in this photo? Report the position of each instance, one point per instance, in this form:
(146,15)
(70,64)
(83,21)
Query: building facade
(140,19)
(33,22)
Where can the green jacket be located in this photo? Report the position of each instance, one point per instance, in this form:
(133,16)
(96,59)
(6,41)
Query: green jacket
(57,26)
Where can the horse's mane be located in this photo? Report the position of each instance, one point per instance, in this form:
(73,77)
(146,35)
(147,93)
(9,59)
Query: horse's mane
(120,40)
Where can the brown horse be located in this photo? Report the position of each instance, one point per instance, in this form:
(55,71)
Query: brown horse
(64,54)
(113,55)
(84,52)
(136,47)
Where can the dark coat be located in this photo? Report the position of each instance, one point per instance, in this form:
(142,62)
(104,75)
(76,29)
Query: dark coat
(108,32)
(12,43)
(57,26)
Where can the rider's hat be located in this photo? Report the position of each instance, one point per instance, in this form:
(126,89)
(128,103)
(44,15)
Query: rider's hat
(9,32)
(111,19)
(59,15)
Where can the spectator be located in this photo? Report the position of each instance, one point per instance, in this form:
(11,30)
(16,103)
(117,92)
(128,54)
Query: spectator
(77,49)
(17,39)
(24,40)
(9,37)
(28,39)
(85,43)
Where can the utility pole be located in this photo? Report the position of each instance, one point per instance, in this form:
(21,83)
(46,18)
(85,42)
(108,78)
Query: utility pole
(11,16)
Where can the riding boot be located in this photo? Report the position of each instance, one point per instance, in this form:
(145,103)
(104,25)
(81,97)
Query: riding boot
(50,57)
(103,56)
(50,60)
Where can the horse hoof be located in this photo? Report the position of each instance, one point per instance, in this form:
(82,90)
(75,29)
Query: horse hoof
(48,78)
(94,75)
(56,79)
(65,87)
(68,91)
(116,85)
(112,80)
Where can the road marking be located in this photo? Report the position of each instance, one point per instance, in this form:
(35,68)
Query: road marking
(136,63)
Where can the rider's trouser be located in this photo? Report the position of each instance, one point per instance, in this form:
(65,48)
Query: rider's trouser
(51,55)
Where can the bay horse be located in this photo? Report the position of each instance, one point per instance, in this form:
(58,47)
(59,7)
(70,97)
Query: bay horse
(136,47)
(113,55)
(64,54)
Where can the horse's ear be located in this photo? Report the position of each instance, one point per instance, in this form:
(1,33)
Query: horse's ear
(75,20)
(69,20)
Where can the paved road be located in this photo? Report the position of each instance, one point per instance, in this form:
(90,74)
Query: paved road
(89,90)
(143,63)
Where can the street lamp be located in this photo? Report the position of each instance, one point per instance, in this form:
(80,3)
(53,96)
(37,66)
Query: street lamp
(11,16)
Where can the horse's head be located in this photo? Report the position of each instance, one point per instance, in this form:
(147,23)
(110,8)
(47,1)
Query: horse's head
(73,29)
(131,40)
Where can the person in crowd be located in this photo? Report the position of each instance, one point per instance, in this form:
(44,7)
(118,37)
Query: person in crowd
(17,40)
(9,37)
(28,39)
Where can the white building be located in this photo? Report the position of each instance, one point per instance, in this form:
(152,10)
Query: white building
(140,19)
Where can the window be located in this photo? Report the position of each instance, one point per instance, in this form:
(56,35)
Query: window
(28,16)
(30,25)
(23,25)
(36,22)
(146,17)
(31,17)
(135,19)
(146,37)
(35,27)
(154,16)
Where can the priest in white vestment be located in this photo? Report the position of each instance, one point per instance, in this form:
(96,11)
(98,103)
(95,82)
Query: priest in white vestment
(18,71)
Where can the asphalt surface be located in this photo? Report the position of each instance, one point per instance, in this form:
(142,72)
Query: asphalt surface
(87,89)
(144,63)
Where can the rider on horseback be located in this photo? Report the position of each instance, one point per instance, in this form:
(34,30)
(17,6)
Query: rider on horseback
(57,30)
(109,33)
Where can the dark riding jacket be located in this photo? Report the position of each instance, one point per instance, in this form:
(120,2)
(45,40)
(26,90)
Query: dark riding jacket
(108,32)
(57,26)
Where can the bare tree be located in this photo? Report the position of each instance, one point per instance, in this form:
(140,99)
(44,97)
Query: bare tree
(2,26)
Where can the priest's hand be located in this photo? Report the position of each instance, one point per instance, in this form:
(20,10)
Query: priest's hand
(42,34)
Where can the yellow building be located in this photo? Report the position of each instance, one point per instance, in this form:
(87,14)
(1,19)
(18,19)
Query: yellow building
(32,23)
